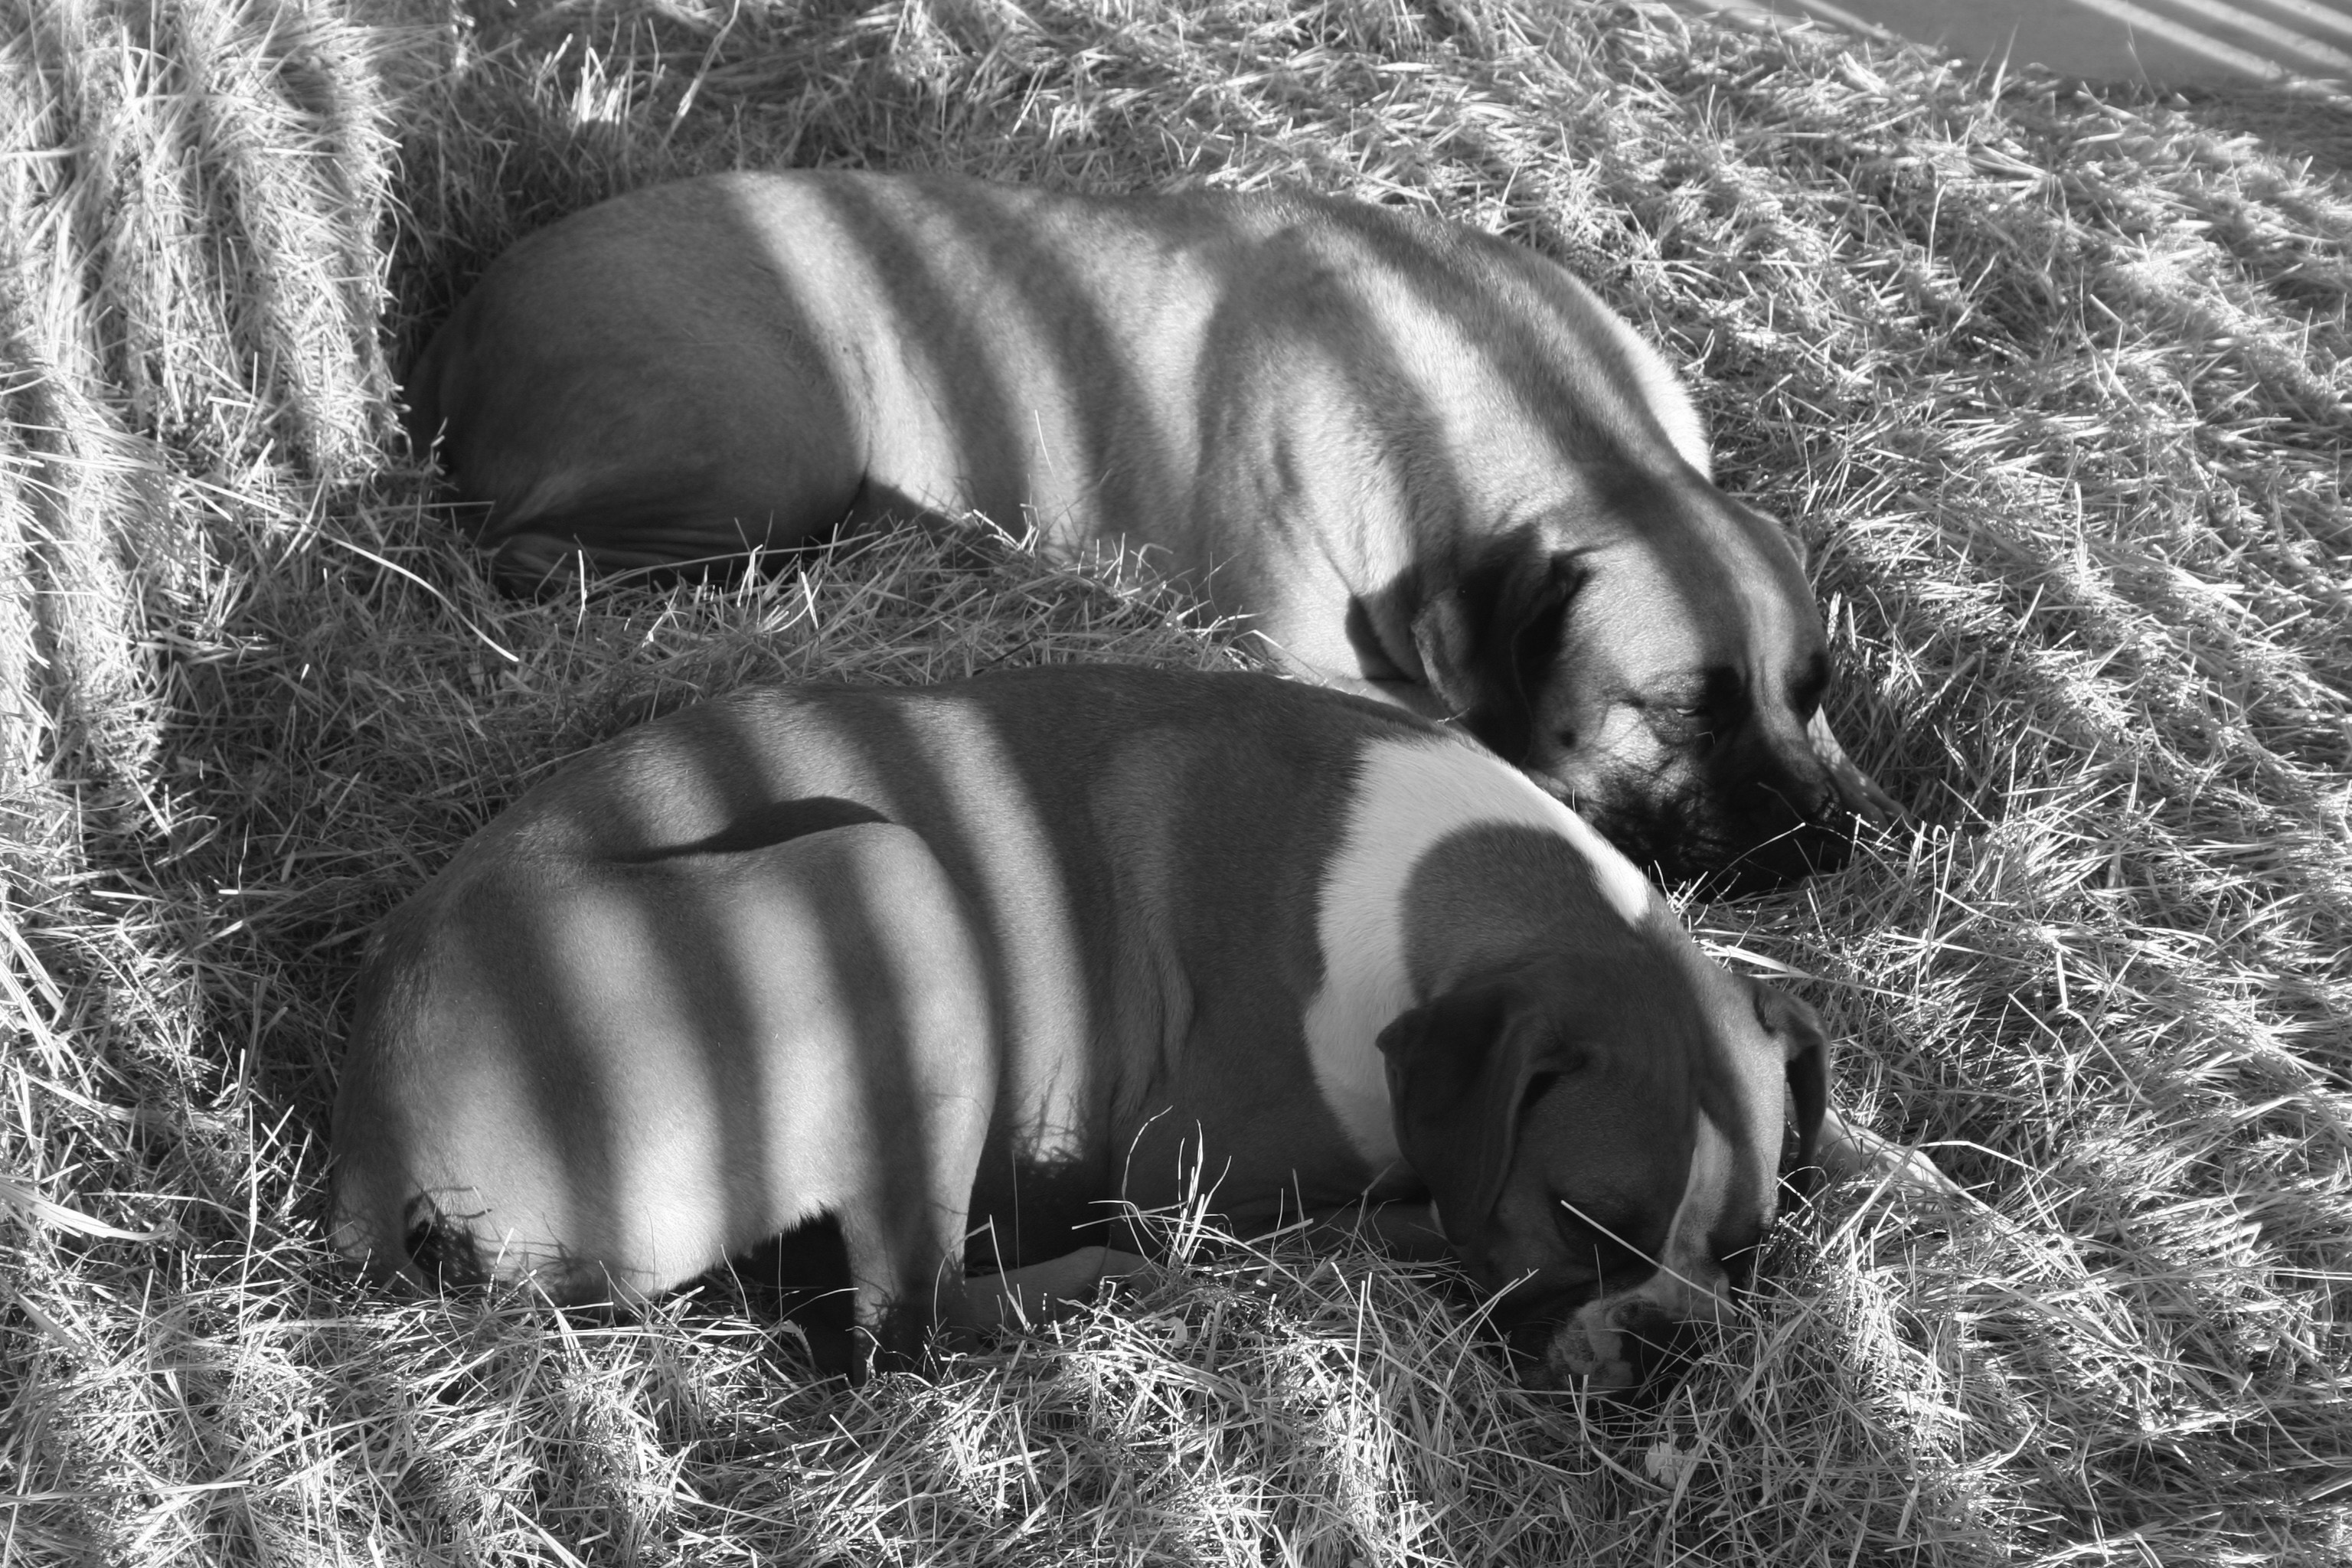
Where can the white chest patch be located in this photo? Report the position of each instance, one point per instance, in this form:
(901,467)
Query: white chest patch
(1689,1273)
(1412,794)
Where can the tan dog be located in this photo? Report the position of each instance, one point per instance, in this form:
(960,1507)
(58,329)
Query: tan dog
(954,970)
(1426,464)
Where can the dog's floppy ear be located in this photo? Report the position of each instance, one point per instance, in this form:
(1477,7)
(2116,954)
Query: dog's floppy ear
(1486,639)
(1460,1069)
(1798,1031)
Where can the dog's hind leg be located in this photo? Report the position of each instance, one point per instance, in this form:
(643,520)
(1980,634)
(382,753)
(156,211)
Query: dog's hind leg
(885,1116)
(613,1076)
(593,406)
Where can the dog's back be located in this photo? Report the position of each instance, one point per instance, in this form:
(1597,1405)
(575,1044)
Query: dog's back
(696,368)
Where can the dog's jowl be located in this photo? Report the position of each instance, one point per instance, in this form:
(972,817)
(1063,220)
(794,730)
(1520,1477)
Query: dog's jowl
(956,970)
(1425,463)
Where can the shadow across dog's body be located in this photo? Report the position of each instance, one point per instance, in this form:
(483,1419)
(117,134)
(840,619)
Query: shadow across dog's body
(1425,463)
(959,970)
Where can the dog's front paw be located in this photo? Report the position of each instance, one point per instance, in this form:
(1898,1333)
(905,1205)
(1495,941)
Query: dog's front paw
(1856,790)
(1847,1152)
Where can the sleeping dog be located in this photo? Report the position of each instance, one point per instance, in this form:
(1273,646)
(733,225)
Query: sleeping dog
(956,968)
(1425,463)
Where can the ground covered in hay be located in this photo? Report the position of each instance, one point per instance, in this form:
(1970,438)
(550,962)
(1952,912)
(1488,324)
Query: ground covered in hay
(2052,385)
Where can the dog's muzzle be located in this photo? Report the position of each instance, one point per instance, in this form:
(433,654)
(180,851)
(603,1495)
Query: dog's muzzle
(1619,1342)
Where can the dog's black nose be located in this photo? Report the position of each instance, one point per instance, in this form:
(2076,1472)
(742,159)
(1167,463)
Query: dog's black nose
(1654,1342)
(1797,850)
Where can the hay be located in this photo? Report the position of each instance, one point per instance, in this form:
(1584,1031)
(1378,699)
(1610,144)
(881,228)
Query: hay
(2052,383)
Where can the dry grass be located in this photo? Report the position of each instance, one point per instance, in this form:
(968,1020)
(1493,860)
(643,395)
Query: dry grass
(2052,384)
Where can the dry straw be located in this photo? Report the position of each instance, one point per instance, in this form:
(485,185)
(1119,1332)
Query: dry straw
(2051,384)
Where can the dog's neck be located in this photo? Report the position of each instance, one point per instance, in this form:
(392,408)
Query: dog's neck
(1383,952)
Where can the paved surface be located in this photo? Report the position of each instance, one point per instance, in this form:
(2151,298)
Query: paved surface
(2173,43)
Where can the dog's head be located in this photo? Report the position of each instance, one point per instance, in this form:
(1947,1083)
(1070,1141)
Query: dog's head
(1605,1154)
(1663,676)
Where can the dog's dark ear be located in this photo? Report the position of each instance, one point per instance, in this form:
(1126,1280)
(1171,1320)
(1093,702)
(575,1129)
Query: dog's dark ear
(1798,1030)
(1486,639)
(1460,1069)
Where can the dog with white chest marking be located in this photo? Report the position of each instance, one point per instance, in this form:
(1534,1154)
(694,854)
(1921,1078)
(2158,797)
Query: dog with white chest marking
(1425,463)
(954,968)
